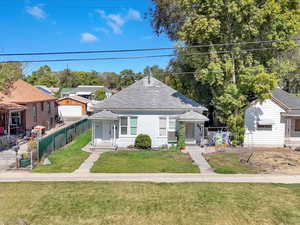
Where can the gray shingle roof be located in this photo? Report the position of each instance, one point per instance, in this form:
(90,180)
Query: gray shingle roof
(192,116)
(286,99)
(104,115)
(142,95)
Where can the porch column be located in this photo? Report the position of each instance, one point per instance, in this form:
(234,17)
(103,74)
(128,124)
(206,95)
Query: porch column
(114,128)
(93,133)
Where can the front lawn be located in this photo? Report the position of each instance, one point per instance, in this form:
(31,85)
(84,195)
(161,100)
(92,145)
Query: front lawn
(144,161)
(91,203)
(227,162)
(68,158)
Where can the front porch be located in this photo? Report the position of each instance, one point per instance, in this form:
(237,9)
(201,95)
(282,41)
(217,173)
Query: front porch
(193,123)
(12,121)
(292,132)
(104,130)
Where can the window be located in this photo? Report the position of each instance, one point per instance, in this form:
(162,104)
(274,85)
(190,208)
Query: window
(16,119)
(34,113)
(162,126)
(133,125)
(49,107)
(172,130)
(42,106)
(124,125)
(264,127)
(297,125)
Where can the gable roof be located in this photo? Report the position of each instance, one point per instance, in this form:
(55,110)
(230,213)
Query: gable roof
(285,99)
(23,92)
(148,96)
(76,98)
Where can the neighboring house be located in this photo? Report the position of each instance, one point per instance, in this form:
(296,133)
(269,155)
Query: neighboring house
(72,107)
(85,91)
(274,122)
(40,108)
(11,112)
(146,107)
(48,90)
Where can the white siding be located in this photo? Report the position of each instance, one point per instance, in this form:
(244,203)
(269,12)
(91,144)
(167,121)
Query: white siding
(147,123)
(268,138)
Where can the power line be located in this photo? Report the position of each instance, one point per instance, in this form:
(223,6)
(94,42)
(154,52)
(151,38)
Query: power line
(144,57)
(144,49)
(222,71)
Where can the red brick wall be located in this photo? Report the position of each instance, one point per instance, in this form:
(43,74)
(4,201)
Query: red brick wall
(43,116)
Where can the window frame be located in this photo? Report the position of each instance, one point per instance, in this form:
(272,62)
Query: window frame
(130,125)
(297,129)
(18,116)
(49,107)
(160,127)
(34,113)
(42,106)
(122,126)
(264,127)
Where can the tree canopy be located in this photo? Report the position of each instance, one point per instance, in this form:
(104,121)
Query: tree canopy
(9,72)
(231,74)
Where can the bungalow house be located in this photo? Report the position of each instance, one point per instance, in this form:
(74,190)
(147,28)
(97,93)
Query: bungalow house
(274,122)
(38,108)
(146,107)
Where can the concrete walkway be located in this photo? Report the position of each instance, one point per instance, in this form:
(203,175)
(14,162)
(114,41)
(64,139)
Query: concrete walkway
(88,163)
(149,177)
(196,154)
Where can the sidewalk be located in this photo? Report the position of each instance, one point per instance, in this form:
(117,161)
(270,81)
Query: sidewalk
(149,177)
(88,163)
(196,154)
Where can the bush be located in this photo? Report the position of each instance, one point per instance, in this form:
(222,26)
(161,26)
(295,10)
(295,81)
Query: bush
(181,137)
(143,141)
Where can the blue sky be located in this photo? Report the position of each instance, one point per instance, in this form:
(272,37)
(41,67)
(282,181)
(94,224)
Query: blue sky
(56,25)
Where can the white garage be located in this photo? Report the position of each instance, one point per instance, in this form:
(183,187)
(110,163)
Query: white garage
(70,110)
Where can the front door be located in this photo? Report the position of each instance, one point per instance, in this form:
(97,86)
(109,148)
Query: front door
(107,131)
(190,132)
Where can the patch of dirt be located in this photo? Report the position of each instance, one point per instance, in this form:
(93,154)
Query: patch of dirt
(278,160)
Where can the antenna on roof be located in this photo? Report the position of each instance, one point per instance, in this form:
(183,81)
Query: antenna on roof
(149,74)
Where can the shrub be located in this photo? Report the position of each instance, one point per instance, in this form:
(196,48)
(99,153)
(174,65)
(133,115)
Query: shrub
(181,137)
(143,141)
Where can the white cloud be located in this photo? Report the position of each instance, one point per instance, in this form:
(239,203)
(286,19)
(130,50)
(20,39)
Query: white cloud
(36,11)
(88,37)
(117,21)
(134,14)
(101,29)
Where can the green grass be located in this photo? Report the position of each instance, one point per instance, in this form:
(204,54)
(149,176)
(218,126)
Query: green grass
(68,158)
(92,203)
(227,163)
(144,161)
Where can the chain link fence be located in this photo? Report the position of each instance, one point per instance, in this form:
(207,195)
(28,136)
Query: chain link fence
(61,137)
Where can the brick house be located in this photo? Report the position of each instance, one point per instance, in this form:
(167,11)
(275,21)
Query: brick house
(40,108)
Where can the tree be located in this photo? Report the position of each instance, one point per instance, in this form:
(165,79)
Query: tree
(9,72)
(100,94)
(156,71)
(128,77)
(68,79)
(111,79)
(89,78)
(233,75)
